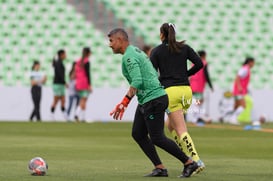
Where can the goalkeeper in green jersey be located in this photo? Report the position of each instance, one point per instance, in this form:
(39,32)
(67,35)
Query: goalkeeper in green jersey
(148,125)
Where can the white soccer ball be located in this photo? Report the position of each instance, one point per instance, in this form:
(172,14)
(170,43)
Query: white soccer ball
(37,166)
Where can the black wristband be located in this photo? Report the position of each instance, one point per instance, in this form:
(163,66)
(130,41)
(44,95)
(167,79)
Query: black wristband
(128,97)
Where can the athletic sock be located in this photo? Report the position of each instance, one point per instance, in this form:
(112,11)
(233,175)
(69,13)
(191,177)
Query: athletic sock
(176,138)
(83,115)
(188,146)
(78,112)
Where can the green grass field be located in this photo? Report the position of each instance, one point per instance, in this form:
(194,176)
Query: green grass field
(106,151)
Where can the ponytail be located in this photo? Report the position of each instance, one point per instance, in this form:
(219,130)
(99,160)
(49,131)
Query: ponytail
(85,52)
(168,31)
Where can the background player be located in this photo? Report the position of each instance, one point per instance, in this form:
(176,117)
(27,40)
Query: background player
(240,88)
(37,80)
(73,95)
(83,82)
(198,82)
(170,59)
(152,99)
(59,82)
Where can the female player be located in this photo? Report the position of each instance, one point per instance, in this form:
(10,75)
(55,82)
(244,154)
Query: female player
(73,96)
(37,80)
(148,126)
(240,88)
(170,59)
(83,82)
(59,82)
(198,82)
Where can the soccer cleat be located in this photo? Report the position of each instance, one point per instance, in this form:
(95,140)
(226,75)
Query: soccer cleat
(158,172)
(189,170)
(201,166)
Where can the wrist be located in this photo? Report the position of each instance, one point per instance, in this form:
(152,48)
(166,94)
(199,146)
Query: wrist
(126,100)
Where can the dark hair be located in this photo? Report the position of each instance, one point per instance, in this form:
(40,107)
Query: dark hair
(146,48)
(202,53)
(168,31)
(36,62)
(248,59)
(85,52)
(59,54)
(119,31)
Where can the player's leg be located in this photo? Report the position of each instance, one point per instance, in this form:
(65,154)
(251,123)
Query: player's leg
(83,108)
(178,126)
(80,111)
(154,119)
(33,96)
(62,98)
(38,102)
(70,103)
(140,135)
(57,94)
(55,101)
(239,107)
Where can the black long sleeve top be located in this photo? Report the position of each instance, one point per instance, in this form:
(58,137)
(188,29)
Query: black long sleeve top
(172,67)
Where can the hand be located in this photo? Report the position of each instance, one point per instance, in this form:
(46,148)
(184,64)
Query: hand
(44,80)
(119,110)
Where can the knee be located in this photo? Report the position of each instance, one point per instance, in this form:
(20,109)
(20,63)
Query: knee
(138,137)
(158,140)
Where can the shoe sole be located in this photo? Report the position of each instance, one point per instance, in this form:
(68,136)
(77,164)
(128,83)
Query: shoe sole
(199,169)
(155,175)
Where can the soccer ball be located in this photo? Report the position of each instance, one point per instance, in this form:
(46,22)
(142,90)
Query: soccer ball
(37,166)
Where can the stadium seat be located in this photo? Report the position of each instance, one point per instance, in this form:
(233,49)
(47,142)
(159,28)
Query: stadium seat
(36,29)
(228,31)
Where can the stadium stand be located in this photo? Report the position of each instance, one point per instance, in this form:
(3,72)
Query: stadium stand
(228,30)
(36,29)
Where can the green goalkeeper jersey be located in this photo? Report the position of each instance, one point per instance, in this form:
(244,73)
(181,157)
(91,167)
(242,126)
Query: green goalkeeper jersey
(140,73)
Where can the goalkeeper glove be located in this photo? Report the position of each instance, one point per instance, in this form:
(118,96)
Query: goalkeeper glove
(120,108)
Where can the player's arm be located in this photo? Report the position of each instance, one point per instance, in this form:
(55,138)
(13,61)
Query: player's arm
(206,72)
(136,81)
(196,60)
(87,71)
(33,82)
(154,59)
